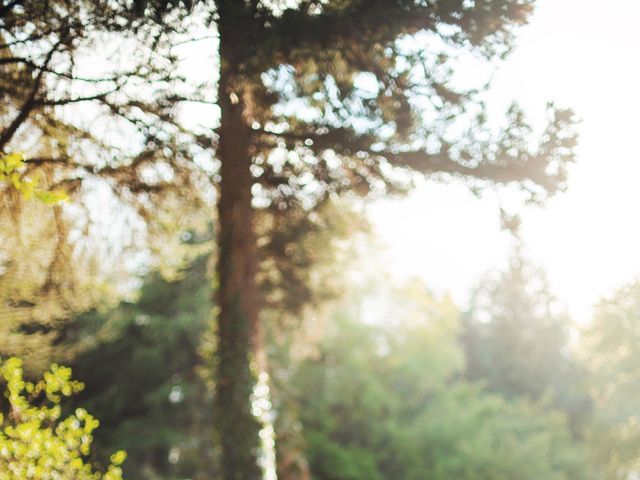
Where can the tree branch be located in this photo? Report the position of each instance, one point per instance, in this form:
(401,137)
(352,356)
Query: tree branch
(29,104)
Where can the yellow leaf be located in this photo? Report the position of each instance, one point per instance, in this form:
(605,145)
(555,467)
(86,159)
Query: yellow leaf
(118,457)
(12,162)
(52,197)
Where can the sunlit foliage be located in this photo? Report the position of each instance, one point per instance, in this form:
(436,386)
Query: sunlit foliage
(11,166)
(36,440)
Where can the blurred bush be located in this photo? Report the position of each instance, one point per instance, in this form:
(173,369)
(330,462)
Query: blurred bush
(36,441)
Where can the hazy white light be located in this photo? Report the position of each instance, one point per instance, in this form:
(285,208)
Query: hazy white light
(586,239)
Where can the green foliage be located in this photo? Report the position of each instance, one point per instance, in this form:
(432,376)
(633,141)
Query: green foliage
(465,433)
(36,441)
(143,378)
(384,400)
(143,362)
(375,400)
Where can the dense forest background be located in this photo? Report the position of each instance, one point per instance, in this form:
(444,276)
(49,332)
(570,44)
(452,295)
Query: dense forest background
(380,382)
(193,242)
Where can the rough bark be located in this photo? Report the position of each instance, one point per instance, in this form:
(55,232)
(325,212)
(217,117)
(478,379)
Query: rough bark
(238,328)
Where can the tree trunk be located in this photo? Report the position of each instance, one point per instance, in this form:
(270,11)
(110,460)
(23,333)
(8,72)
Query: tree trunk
(238,337)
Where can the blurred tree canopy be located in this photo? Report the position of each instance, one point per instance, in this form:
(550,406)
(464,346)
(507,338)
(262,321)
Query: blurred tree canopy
(516,341)
(313,100)
(385,400)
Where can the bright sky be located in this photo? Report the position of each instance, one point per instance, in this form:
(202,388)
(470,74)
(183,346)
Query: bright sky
(581,54)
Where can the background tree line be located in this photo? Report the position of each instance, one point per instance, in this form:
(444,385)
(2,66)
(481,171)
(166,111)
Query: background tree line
(378,382)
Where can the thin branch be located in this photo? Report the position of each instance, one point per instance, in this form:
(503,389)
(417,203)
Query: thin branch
(29,104)
(66,101)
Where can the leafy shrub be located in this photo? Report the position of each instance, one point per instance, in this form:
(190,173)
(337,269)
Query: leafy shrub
(35,440)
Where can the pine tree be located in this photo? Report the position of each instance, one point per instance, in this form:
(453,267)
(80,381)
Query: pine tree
(347,96)
(517,344)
